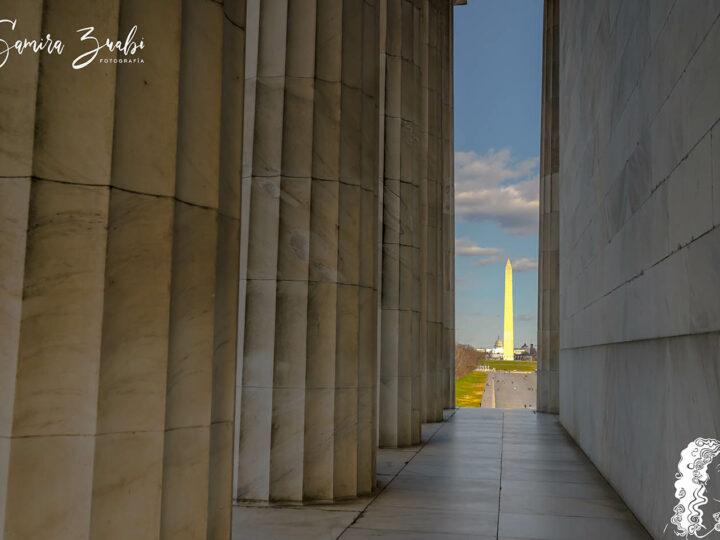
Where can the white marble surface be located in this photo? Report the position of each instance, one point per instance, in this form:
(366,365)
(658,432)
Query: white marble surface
(307,411)
(145,152)
(77,102)
(113,367)
(18,87)
(483,474)
(639,362)
(200,104)
(61,324)
(14,205)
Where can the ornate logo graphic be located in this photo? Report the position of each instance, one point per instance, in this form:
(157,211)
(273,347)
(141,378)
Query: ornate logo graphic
(691,490)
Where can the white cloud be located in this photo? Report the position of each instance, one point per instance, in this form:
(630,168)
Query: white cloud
(493,259)
(524,264)
(464,247)
(484,256)
(496,187)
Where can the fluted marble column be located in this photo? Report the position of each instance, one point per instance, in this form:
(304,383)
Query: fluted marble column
(417,342)
(436,201)
(424,357)
(120,215)
(400,318)
(448,217)
(308,389)
(549,271)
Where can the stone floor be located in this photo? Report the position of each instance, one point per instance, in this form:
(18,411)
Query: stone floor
(483,473)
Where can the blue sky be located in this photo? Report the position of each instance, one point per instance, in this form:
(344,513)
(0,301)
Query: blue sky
(498,53)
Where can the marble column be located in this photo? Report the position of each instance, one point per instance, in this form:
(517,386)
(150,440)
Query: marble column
(400,318)
(549,273)
(308,374)
(417,320)
(120,214)
(436,197)
(448,215)
(423,232)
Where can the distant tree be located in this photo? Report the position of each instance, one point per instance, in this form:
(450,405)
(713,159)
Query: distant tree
(467,358)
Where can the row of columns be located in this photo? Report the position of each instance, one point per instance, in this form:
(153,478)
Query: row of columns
(549,232)
(417,321)
(307,406)
(194,305)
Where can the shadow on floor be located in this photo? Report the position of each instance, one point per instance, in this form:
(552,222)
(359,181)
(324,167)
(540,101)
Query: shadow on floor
(483,473)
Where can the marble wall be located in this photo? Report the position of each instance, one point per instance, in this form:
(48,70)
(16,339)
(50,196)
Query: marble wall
(639,239)
(190,306)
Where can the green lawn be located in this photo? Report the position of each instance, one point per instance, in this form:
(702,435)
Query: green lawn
(469,389)
(510,365)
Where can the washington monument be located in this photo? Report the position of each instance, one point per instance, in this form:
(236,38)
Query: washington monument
(508,345)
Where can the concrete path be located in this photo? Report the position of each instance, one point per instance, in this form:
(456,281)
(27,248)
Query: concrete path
(510,390)
(486,474)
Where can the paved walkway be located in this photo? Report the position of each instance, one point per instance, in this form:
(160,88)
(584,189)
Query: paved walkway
(488,474)
(510,390)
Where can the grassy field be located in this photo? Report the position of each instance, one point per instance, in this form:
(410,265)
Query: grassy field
(469,389)
(510,365)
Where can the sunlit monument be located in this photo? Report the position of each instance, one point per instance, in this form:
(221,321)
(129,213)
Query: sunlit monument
(508,345)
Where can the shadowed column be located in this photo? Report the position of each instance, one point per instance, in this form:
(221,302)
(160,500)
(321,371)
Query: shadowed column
(435,199)
(448,218)
(549,272)
(400,352)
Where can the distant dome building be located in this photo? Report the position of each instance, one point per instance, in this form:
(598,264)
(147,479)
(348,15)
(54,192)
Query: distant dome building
(497,350)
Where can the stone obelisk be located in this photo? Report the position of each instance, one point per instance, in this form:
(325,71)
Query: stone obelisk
(508,345)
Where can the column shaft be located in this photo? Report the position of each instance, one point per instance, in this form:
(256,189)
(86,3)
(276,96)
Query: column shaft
(549,272)
(128,454)
(448,216)
(122,282)
(400,363)
(435,198)
(424,161)
(51,417)
(307,402)
(417,374)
